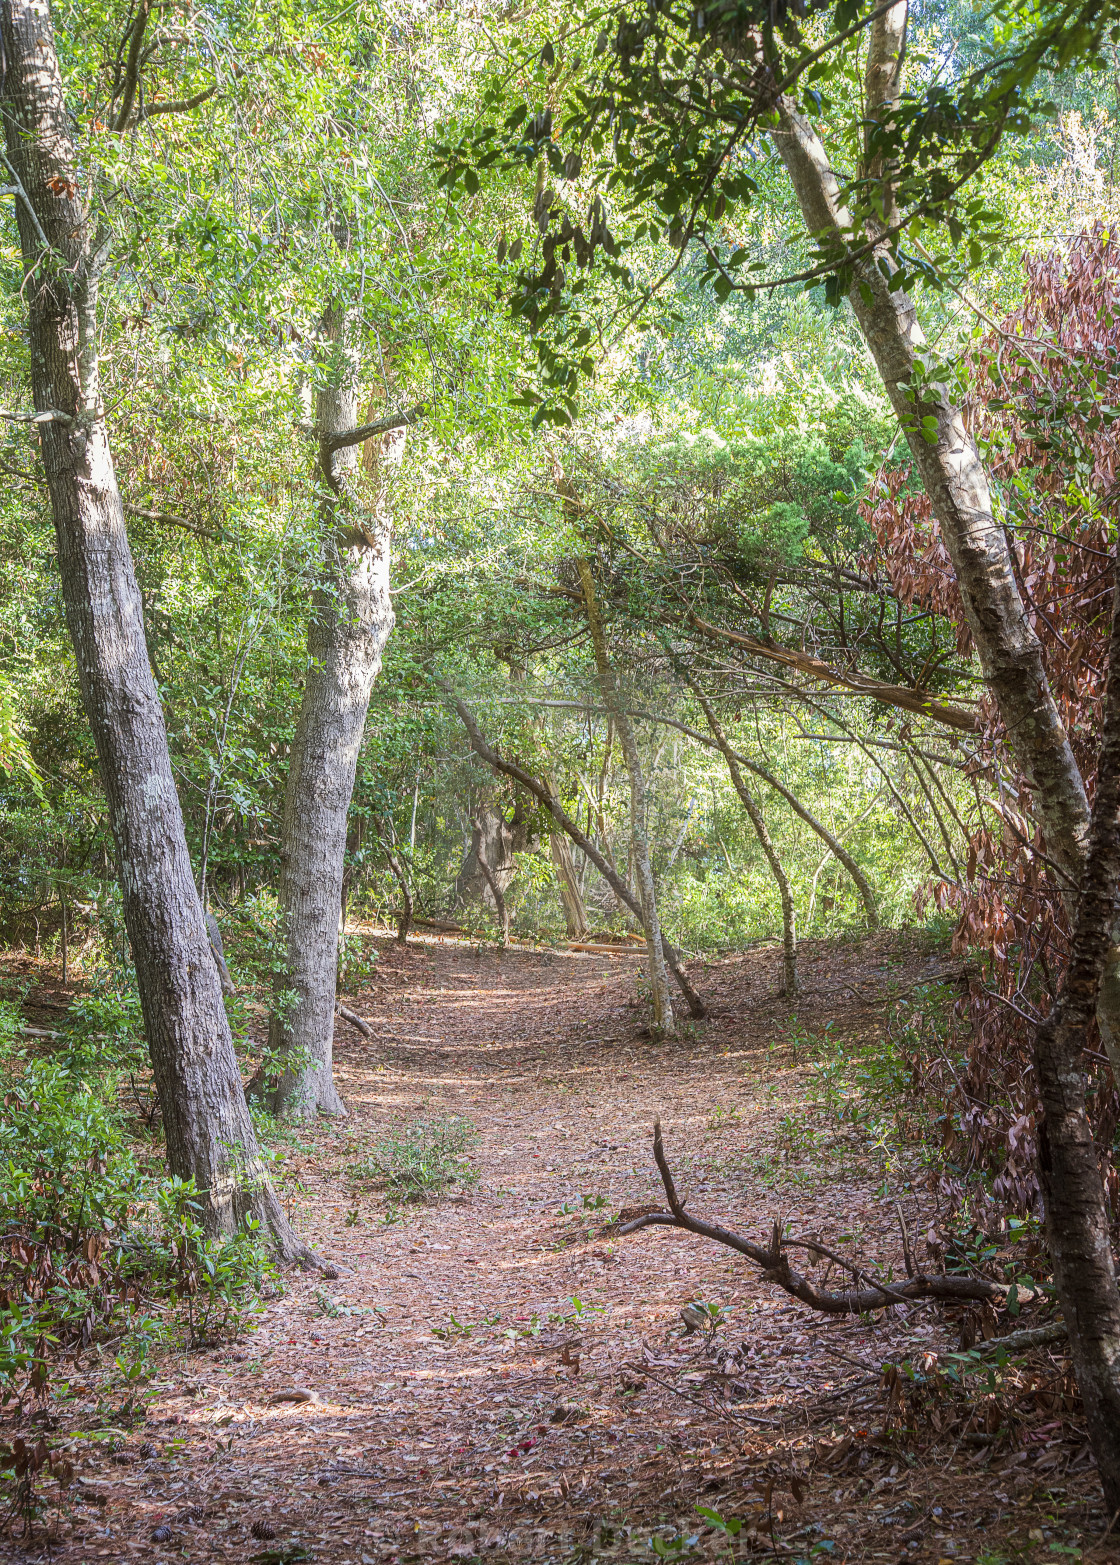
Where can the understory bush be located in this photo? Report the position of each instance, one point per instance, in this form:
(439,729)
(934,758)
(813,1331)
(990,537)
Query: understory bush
(95,1244)
(422,1161)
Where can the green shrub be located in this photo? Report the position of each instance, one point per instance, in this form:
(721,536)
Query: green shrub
(423,1161)
(87,1233)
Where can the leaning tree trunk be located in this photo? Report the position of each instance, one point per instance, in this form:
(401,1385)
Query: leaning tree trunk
(1011,658)
(660,1002)
(790,985)
(953,476)
(206,1120)
(351,620)
(1077,1217)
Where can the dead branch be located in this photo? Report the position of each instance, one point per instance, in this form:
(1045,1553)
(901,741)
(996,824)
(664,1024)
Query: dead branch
(873,1295)
(354,1019)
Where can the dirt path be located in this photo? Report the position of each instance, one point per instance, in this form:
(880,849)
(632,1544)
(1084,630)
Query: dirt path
(495,1377)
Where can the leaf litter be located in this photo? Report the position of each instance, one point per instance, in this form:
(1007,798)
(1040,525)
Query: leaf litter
(496,1374)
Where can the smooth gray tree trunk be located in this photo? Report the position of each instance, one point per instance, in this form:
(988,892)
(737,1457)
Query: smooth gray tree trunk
(206,1120)
(351,620)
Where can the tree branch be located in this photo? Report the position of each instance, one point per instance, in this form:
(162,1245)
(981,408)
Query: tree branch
(353,1018)
(776,1267)
(177,105)
(380,426)
(890,695)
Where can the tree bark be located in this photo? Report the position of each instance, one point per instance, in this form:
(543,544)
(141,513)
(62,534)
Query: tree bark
(543,795)
(575,914)
(351,620)
(954,478)
(1077,1217)
(490,859)
(790,986)
(491,879)
(661,1004)
(207,1124)
(882,82)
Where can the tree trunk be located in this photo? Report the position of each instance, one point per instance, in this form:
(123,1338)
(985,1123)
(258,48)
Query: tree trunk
(489,860)
(1077,1217)
(351,620)
(1011,658)
(575,914)
(404,918)
(206,1120)
(551,803)
(790,986)
(954,478)
(661,1004)
(491,879)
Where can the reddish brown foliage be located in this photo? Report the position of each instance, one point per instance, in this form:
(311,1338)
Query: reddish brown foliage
(1044,403)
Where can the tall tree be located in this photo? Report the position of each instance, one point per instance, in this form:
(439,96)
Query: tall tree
(207,1124)
(351,620)
(1078,1229)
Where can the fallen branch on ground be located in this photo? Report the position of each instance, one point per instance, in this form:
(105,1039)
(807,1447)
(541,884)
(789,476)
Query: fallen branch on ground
(354,1019)
(872,1295)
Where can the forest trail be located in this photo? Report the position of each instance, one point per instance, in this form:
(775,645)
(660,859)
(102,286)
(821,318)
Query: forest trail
(494,1377)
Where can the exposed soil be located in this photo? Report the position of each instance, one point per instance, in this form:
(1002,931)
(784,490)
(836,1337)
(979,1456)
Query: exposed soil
(495,1377)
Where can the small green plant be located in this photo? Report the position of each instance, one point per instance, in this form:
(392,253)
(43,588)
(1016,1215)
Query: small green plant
(675,1547)
(730,1526)
(456,1328)
(218,1281)
(422,1162)
(587,1203)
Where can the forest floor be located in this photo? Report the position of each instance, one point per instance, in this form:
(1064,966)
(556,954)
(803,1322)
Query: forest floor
(501,1376)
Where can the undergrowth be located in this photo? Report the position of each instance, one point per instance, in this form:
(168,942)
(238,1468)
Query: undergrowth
(100,1248)
(423,1161)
